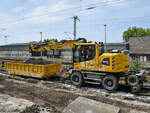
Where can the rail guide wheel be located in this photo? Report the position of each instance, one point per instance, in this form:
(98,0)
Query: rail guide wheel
(136,89)
(77,79)
(110,82)
(133,80)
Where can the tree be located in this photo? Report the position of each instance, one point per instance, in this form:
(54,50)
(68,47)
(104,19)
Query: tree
(148,32)
(135,32)
(89,41)
(48,40)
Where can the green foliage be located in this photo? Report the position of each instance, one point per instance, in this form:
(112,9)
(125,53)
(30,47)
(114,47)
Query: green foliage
(48,40)
(62,40)
(89,41)
(148,32)
(135,32)
(137,65)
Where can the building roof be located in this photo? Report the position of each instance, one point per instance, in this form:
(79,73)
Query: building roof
(116,44)
(139,45)
(15,44)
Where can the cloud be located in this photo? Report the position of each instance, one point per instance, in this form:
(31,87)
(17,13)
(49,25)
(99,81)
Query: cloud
(6,20)
(46,13)
(35,15)
(18,9)
(116,2)
(36,2)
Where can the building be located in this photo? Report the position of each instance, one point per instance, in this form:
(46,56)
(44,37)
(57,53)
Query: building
(117,46)
(17,51)
(140,48)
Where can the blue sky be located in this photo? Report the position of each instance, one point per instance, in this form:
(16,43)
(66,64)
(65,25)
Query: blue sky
(23,20)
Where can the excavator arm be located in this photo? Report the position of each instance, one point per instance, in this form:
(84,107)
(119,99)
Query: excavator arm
(36,48)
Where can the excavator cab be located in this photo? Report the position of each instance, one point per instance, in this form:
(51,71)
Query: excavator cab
(91,57)
(86,56)
(82,53)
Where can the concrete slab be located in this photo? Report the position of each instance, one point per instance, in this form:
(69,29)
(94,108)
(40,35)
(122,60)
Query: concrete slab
(133,111)
(12,104)
(84,105)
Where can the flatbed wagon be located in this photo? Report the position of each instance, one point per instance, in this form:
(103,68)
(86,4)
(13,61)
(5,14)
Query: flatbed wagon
(33,70)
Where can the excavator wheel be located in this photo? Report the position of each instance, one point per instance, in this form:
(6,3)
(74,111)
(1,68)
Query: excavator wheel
(110,82)
(77,79)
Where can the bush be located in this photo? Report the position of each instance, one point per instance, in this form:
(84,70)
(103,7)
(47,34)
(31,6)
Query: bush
(137,65)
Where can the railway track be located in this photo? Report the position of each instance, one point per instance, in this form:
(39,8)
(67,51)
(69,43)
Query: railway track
(54,85)
(125,89)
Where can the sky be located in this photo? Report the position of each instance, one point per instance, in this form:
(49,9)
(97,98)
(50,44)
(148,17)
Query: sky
(23,20)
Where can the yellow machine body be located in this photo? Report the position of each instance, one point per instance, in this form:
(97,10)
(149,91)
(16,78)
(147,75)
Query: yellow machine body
(32,70)
(51,46)
(117,62)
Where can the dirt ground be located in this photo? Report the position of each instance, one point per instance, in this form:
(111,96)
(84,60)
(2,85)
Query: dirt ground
(55,96)
(38,61)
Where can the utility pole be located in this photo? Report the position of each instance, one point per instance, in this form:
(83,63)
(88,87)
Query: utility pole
(75,18)
(41,43)
(5,36)
(5,39)
(105,37)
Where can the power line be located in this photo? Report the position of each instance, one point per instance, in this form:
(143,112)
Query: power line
(85,7)
(79,7)
(122,20)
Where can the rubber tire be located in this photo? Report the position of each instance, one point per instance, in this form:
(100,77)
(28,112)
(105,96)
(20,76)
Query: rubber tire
(115,81)
(80,79)
(133,77)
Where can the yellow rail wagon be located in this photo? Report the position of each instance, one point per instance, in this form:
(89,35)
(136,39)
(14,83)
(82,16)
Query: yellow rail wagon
(40,71)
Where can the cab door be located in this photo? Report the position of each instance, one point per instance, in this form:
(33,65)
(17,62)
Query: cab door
(84,57)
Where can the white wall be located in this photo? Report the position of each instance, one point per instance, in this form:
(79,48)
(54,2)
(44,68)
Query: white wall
(15,54)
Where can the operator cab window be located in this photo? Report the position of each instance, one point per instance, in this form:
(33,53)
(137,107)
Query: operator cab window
(84,53)
(101,50)
(90,52)
(77,54)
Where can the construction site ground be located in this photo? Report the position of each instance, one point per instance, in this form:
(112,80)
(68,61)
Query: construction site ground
(53,96)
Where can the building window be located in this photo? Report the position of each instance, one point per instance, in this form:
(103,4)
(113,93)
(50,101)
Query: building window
(148,58)
(133,58)
(143,58)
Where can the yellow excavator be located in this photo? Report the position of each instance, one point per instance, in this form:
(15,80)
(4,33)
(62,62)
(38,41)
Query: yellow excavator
(91,64)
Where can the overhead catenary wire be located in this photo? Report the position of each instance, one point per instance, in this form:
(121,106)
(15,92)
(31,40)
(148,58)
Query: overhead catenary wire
(114,19)
(83,9)
(106,3)
(82,12)
(78,7)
